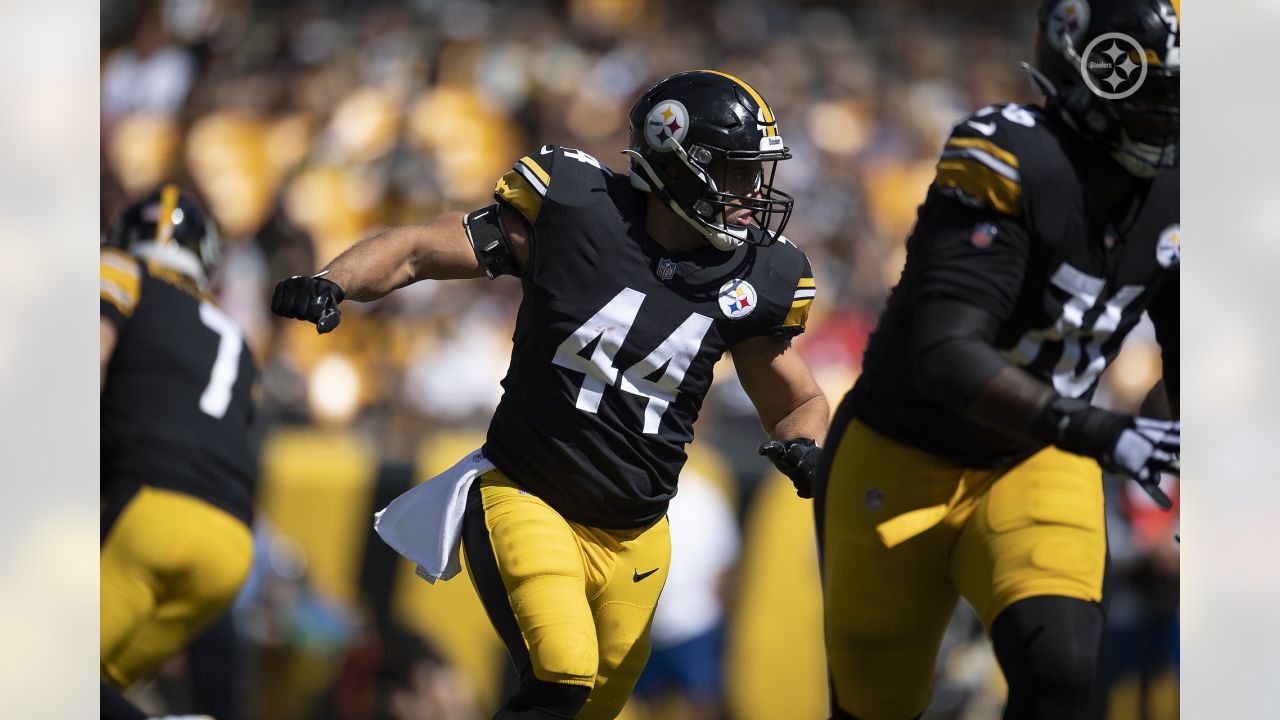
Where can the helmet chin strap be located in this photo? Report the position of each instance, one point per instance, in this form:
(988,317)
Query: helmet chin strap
(719,238)
(173,256)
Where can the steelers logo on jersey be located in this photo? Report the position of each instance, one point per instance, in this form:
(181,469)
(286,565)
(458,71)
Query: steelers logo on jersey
(737,299)
(668,119)
(1169,246)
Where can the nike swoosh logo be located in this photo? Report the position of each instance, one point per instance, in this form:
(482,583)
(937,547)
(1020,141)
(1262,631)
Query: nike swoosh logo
(546,150)
(637,576)
(987,129)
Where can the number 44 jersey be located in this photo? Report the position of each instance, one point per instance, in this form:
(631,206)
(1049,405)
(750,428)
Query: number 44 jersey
(177,401)
(1009,226)
(616,339)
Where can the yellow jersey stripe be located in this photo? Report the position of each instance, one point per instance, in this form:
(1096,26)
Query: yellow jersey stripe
(798,316)
(1177,10)
(118,259)
(516,190)
(807,282)
(770,128)
(981,183)
(537,170)
(122,287)
(986,146)
(110,291)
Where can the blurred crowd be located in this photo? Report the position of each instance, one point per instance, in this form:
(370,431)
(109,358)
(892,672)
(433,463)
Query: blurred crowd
(306,126)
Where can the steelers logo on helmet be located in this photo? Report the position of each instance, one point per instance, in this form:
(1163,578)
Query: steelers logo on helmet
(668,119)
(1068,19)
(1169,246)
(737,299)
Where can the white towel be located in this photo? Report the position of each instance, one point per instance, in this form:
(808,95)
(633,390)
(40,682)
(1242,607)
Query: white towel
(425,523)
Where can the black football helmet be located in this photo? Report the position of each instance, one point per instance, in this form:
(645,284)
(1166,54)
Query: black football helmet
(1110,67)
(169,227)
(688,121)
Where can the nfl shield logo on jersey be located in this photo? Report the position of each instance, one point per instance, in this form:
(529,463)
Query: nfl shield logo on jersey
(666,269)
(737,299)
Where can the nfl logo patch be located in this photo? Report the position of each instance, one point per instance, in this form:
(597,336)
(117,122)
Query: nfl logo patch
(737,299)
(982,235)
(666,269)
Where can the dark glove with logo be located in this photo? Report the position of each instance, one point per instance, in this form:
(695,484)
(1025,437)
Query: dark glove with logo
(797,459)
(313,299)
(1136,447)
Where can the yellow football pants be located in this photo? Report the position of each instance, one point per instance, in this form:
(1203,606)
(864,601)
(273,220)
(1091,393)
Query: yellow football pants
(904,534)
(170,565)
(572,603)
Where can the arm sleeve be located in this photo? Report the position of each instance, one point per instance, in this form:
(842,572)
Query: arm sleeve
(1165,317)
(119,285)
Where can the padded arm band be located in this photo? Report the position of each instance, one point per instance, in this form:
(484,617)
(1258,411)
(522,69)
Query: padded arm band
(956,365)
(490,243)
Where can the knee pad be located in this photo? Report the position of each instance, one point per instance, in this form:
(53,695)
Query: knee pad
(1048,649)
(540,700)
(564,657)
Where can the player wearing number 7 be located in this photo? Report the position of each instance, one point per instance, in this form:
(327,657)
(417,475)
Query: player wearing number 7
(634,286)
(965,461)
(177,474)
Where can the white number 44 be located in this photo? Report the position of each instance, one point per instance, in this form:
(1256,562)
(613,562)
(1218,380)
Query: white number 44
(610,326)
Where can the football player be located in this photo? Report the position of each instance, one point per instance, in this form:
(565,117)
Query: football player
(177,474)
(965,460)
(634,286)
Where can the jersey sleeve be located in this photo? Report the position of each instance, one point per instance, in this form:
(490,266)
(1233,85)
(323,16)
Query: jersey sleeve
(524,187)
(979,165)
(119,285)
(786,294)
(976,256)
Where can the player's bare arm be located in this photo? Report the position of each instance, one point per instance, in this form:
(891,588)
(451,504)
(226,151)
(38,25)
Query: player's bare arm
(792,409)
(372,268)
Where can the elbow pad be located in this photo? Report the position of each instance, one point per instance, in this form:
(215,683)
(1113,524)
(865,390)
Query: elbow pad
(489,241)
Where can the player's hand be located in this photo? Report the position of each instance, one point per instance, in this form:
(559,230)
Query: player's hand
(1146,448)
(797,459)
(1137,447)
(313,299)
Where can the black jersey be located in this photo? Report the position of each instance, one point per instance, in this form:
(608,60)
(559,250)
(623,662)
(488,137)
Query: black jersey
(1010,227)
(177,403)
(616,338)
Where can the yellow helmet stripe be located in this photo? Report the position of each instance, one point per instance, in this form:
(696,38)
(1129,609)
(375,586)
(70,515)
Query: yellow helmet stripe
(164,223)
(770,128)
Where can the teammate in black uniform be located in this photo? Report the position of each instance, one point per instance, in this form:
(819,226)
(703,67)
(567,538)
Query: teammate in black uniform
(634,286)
(965,461)
(177,475)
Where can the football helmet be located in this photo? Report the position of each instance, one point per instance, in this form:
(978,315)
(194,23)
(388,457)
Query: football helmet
(1110,67)
(685,124)
(169,227)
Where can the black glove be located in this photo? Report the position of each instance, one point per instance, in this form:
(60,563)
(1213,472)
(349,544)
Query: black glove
(797,459)
(313,299)
(1136,447)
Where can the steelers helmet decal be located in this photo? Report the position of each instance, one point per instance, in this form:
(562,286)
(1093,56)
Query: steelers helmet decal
(668,120)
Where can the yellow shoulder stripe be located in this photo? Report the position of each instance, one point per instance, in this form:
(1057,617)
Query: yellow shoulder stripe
(515,190)
(119,280)
(980,182)
(770,129)
(806,282)
(537,170)
(987,146)
(798,316)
